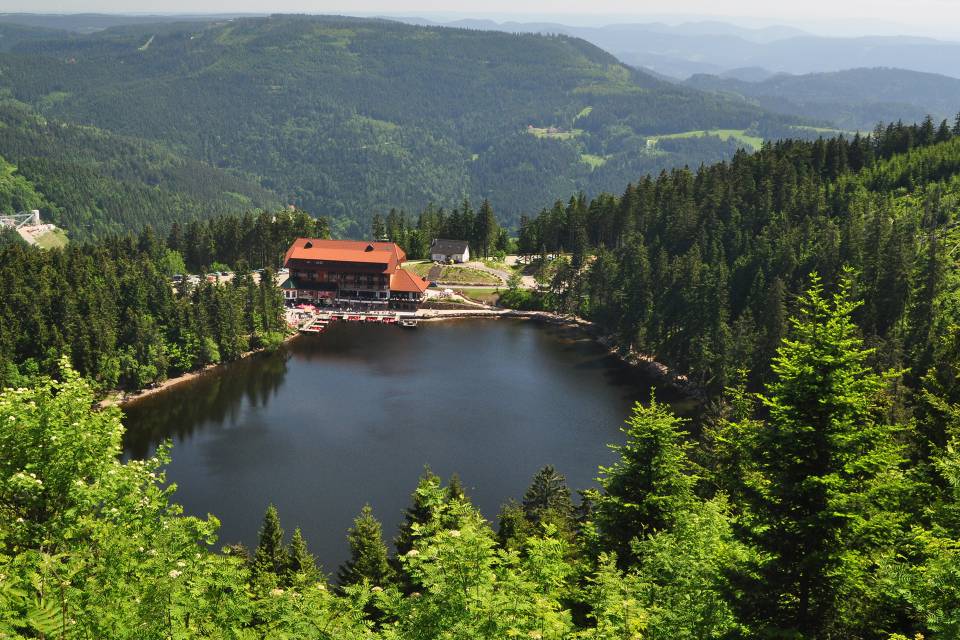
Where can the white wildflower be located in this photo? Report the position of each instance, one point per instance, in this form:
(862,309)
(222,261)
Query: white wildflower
(174,573)
(412,553)
(276,592)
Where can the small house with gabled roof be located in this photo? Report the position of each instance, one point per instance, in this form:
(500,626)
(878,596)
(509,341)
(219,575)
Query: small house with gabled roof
(450,250)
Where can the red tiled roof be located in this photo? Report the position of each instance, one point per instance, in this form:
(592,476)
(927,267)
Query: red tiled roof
(356,251)
(403,280)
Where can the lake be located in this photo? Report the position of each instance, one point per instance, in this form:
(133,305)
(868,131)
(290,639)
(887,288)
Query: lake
(351,416)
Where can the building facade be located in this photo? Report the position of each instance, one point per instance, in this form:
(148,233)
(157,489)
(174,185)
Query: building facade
(351,274)
(449,251)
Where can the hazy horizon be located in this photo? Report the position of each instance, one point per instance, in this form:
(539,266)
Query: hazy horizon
(926,18)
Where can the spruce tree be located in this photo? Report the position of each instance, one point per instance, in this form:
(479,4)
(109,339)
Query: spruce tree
(819,462)
(270,556)
(419,512)
(547,499)
(651,483)
(302,562)
(368,553)
(514,528)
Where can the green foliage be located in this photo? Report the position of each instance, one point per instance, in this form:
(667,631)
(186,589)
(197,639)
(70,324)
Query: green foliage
(343,116)
(93,182)
(368,554)
(111,308)
(649,486)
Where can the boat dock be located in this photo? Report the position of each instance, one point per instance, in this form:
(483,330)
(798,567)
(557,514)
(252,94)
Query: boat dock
(311,319)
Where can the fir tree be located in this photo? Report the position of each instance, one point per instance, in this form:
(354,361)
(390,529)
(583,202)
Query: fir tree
(548,498)
(826,460)
(302,562)
(368,553)
(271,555)
(650,484)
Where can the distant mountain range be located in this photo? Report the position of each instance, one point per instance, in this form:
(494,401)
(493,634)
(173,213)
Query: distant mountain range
(347,117)
(685,49)
(852,99)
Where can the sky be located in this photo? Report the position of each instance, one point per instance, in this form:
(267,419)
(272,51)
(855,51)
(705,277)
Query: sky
(938,18)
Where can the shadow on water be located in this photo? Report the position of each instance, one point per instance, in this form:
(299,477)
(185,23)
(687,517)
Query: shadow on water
(211,401)
(352,416)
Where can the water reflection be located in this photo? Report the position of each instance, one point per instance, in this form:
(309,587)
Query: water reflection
(353,415)
(212,401)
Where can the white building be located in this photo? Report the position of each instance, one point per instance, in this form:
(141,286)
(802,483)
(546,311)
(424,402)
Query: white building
(450,251)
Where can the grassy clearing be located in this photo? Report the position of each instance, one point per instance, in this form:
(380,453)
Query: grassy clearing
(553,133)
(826,131)
(740,135)
(56,239)
(499,266)
(421,268)
(466,275)
(486,295)
(593,160)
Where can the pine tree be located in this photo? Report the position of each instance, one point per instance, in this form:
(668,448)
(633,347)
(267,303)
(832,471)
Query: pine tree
(819,460)
(548,498)
(418,512)
(302,563)
(270,556)
(378,230)
(514,527)
(368,553)
(486,229)
(650,484)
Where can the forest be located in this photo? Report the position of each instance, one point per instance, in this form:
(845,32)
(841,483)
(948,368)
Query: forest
(112,311)
(699,269)
(349,117)
(821,506)
(94,183)
(480,228)
(809,288)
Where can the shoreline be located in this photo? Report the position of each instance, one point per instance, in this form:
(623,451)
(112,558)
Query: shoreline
(116,398)
(656,371)
(660,373)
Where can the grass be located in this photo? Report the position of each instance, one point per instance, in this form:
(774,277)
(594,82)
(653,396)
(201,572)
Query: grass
(455,274)
(485,295)
(466,275)
(420,268)
(54,240)
(825,130)
(593,160)
(544,132)
(499,266)
(740,135)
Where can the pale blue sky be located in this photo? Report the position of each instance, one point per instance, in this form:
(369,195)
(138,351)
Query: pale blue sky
(853,17)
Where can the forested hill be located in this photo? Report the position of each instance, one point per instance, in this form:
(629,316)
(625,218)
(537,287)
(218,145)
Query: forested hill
(346,116)
(824,506)
(93,182)
(701,269)
(851,99)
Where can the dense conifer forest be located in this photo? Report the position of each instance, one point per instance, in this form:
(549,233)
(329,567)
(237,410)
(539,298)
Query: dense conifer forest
(113,311)
(94,183)
(700,269)
(350,117)
(811,287)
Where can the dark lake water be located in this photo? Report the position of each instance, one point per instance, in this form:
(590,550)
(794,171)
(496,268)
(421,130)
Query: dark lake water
(352,416)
